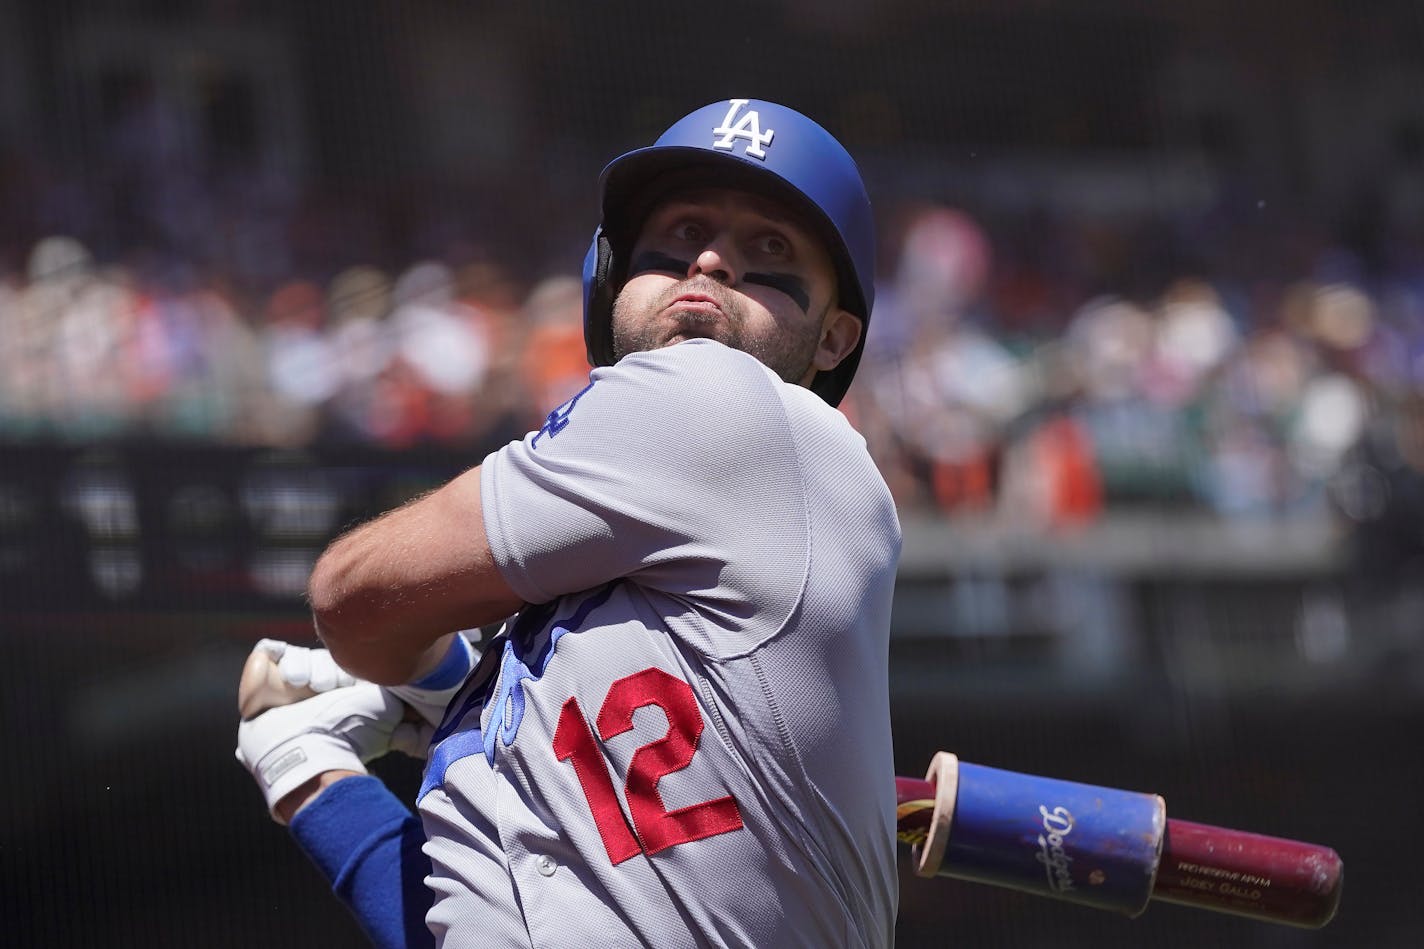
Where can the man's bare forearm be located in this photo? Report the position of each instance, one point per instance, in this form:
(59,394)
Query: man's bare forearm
(385,595)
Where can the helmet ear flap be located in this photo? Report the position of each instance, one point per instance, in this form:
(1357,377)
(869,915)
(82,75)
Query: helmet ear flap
(602,284)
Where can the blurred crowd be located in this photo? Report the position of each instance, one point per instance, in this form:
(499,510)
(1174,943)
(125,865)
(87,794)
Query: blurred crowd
(432,355)
(989,385)
(1258,395)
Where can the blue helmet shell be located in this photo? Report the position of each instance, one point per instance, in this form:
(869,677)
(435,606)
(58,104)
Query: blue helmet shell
(753,144)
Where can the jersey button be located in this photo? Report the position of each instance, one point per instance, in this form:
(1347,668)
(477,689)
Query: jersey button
(546,865)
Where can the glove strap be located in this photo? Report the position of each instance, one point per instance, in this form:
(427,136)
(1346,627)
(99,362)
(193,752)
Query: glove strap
(295,762)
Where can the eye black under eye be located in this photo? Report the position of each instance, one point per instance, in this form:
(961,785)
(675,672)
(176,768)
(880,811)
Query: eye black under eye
(656,261)
(793,287)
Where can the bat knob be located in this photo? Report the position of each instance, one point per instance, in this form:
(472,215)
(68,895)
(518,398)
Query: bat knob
(261,686)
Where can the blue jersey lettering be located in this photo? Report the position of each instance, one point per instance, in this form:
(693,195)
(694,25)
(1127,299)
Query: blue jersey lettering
(558,420)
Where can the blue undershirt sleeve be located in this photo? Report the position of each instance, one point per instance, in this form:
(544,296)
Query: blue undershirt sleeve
(368,845)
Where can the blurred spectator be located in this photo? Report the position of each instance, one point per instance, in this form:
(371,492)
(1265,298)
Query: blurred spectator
(496,302)
(301,367)
(1111,372)
(944,385)
(555,362)
(359,300)
(441,353)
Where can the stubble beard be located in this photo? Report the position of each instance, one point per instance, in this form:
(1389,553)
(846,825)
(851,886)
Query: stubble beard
(787,354)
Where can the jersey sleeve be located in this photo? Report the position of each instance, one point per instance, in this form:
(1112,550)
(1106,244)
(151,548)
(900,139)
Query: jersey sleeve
(676,470)
(368,846)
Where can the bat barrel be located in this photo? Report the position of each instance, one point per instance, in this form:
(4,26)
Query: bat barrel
(1233,871)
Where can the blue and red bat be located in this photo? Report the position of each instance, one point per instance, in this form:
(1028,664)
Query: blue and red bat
(1097,846)
(1104,847)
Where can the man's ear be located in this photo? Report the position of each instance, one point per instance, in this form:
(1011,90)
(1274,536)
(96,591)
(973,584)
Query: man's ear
(839,337)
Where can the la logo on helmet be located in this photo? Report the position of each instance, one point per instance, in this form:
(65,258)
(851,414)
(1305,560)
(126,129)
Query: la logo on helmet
(747,127)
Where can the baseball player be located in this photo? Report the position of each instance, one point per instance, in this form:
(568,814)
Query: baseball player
(682,735)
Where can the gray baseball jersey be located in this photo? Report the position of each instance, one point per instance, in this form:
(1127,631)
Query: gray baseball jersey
(685,739)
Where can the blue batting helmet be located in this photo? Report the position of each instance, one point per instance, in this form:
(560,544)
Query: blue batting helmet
(743,143)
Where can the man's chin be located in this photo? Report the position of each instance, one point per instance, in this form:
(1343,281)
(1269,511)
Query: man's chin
(684,335)
(680,334)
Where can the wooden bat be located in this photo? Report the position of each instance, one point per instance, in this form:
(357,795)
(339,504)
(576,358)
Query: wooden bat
(1097,846)
(1105,847)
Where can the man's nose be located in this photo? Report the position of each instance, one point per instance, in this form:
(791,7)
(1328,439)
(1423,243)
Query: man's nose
(717,261)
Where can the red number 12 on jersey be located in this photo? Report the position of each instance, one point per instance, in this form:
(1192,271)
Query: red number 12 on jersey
(657,827)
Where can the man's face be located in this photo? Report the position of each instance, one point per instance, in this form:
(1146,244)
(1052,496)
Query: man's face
(740,269)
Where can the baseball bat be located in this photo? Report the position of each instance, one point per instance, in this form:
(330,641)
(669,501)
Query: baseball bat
(1095,846)
(1105,847)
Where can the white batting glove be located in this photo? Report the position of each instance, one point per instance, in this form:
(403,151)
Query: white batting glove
(301,666)
(338,730)
(280,673)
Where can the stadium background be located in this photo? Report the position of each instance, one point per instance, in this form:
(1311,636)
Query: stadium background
(1146,377)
